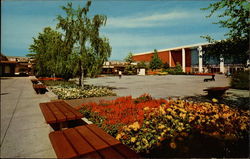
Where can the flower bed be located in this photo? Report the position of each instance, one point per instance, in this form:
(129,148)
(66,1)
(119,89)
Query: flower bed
(145,123)
(69,90)
(49,78)
(204,74)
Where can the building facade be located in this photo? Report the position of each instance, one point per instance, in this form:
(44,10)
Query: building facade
(13,65)
(191,58)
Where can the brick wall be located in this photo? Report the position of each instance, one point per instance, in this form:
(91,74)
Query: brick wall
(176,56)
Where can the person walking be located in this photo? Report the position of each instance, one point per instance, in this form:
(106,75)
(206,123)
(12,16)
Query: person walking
(120,74)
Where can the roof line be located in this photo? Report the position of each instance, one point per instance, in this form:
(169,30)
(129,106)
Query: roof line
(174,48)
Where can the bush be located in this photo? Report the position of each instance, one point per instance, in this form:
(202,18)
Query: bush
(175,70)
(130,70)
(240,80)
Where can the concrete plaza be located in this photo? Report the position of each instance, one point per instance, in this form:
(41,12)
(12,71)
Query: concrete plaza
(24,132)
(159,86)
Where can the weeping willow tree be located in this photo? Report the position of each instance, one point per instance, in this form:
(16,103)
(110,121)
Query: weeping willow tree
(83,40)
(79,50)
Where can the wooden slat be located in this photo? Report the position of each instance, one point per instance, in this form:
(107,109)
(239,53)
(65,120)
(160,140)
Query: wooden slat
(78,114)
(59,115)
(79,143)
(92,139)
(103,135)
(48,115)
(110,153)
(61,146)
(91,155)
(69,115)
(126,151)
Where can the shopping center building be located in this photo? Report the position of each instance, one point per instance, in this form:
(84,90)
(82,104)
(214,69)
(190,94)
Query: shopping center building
(191,58)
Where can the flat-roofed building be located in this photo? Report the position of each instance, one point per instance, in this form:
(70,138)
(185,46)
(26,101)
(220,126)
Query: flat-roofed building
(191,58)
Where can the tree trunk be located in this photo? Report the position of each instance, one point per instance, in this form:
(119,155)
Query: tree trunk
(80,75)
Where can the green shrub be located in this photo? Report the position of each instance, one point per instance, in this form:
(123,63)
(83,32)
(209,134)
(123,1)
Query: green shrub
(177,70)
(240,80)
(130,70)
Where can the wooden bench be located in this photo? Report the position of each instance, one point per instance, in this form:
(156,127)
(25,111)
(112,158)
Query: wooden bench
(88,141)
(34,81)
(209,79)
(216,91)
(59,114)
(39,88)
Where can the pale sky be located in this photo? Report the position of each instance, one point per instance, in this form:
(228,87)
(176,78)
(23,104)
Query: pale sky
(133,25)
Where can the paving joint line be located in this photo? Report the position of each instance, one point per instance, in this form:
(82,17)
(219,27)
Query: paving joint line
(18,100)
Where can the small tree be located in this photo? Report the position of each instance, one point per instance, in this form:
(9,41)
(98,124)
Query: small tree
(129,58)
(155,62)
(165,65)
(49,54)
(141,64)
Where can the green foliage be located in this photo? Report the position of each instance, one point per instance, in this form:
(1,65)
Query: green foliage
(177,70)
(49,54)
(130,70)
(142,64)
(99,120)
(240,80)
(232,49)
(155,62)
(129,58)
(82,36)
(79,51)
(165,65)
(235,16)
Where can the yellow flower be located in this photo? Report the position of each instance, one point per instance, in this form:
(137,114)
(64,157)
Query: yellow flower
(146,108)
(145,141)
(214,100)
(126,128)
(243,126)
(135,126)
(173,145)
(216,116)
(169,109)
(179,129)
(147,123)
(118,136)
(163,133)
(169,117)
(182,115)
(133,139)
(161,126)
(162,111)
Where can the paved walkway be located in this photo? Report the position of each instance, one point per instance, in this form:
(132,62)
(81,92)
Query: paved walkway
(159,86)
(24,132)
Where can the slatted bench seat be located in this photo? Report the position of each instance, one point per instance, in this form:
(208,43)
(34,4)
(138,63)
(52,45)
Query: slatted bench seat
(34,81)
(88,141)
(59,114)
(39,88)
(216,91)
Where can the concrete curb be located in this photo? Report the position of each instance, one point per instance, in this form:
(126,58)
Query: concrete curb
(52,96)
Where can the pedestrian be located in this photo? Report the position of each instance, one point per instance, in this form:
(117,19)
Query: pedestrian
(120,74)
